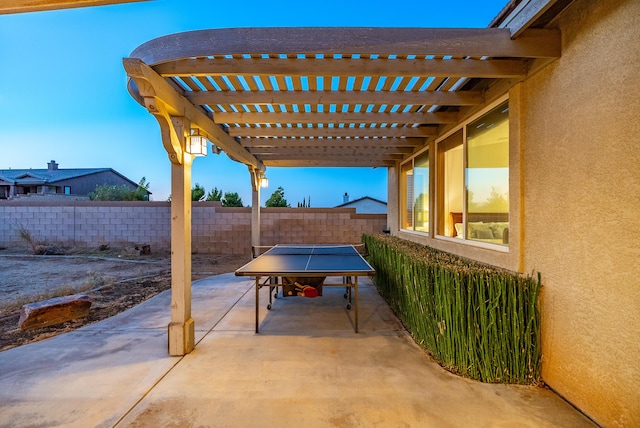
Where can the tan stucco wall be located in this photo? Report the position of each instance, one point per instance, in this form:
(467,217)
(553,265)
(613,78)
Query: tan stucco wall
(575,208)
(581,170)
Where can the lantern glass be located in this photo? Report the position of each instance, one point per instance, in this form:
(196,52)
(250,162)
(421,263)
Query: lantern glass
(197,145)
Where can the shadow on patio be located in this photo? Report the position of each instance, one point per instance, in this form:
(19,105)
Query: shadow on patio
(306,368)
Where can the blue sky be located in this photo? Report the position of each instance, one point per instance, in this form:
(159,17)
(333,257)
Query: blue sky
(63,88)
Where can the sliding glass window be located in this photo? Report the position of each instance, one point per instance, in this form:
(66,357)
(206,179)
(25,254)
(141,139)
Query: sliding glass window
(450,185)
(487,177)
(414,193)
(471,183)
(472,180)
(406,196)
(421,192)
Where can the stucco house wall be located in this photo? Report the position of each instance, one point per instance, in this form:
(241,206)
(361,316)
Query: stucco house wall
(575,208)
(581,149)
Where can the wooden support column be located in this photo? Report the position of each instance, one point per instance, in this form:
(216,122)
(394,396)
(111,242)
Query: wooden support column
(181,329)
(256,177)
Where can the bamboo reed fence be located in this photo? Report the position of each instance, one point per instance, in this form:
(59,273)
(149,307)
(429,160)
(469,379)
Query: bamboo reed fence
(476,320)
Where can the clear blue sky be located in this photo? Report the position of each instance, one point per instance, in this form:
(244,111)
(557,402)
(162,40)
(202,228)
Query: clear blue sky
(63,88)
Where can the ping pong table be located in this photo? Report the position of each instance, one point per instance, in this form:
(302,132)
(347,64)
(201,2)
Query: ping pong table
(308,261)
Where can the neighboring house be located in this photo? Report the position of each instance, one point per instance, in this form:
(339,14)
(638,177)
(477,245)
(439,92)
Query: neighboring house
(77,182)
(364,205)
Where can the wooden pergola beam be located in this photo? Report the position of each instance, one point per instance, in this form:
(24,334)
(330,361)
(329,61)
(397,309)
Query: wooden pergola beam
(316,117)
(338,161)
(364,163)
(272,131)
(462,98)
(22,6)
(499,68)
(331,151)
(459,42)
(332,142)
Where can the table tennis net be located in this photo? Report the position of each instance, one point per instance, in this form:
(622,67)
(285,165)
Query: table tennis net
(315,250)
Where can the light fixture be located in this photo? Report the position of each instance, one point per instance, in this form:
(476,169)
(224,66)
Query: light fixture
(264,182)
(196,144)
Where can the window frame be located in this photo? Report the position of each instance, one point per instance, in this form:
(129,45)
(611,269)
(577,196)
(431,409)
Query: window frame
(402,193)
(435,212)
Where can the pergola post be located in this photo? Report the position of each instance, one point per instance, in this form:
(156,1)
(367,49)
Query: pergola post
(256,176)
(181,328)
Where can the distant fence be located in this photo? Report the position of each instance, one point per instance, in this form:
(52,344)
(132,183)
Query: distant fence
(215,229)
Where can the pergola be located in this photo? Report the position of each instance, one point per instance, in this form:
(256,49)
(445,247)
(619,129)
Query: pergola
(315,97)
(22,6)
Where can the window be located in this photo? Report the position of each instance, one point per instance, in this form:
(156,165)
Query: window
(406,195)
(487,177)
(471,183)
(414,191)
(450,185)
(67,190)
(421,192)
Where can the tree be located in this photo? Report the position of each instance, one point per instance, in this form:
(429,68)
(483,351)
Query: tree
(197,193)
(232,200)
(277,199)
(112,192)
(304,203)
(142,191)
(214,195)
(496,202)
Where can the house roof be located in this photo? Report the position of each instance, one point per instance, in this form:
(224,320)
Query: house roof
(23,176)
(329,96)
(355,201)
(47,176)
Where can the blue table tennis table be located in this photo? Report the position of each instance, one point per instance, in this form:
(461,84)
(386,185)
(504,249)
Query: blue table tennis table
(308,261)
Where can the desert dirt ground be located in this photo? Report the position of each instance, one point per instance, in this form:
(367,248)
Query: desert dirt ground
(115,280)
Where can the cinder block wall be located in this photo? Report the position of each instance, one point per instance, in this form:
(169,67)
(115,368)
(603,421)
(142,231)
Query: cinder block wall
(215,229)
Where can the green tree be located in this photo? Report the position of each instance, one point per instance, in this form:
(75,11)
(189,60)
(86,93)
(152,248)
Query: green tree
(304,203)
(232,200)
(112,192)
(142,191)
(214,195)
(277,199)
(197,193)
(496,202)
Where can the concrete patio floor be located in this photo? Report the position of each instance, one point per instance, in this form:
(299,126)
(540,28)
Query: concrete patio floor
(306,368)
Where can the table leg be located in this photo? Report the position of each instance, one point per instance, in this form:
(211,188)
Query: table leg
(356,286)
(257,300)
